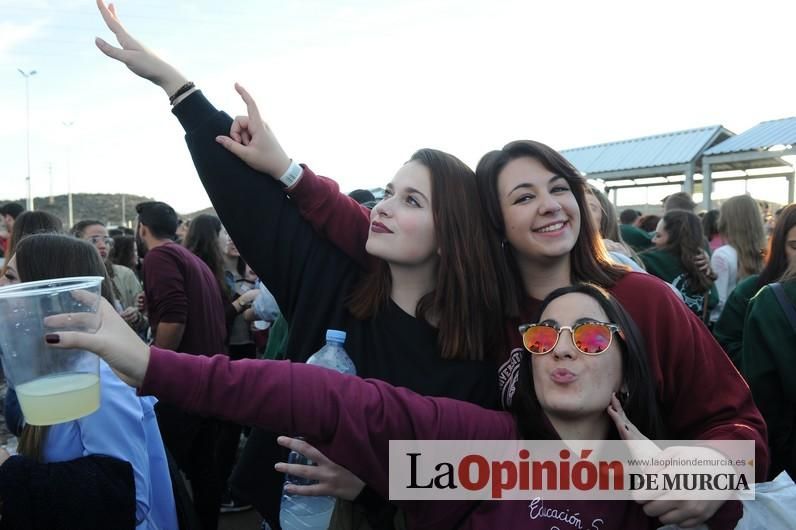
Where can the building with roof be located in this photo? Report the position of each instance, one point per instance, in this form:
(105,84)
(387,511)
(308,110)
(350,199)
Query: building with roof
(693,160)
(754,153)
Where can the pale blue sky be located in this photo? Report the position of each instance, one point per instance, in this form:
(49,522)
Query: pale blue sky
(354,87)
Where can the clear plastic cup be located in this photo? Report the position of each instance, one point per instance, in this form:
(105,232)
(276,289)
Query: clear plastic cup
(53,385)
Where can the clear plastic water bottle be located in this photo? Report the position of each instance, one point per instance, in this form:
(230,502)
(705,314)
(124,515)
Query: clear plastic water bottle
(300,512)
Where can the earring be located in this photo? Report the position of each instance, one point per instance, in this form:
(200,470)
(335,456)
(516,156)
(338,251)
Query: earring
(503,244)
(623,396)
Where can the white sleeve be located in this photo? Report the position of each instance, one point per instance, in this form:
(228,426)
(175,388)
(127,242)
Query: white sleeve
(720,263)
(265,305)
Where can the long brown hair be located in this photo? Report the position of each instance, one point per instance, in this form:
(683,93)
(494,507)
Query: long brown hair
(44,257)
(123,251)
(685,242)
(466,300)
(202,240)
(777,259)
(589,258)
(741,225)
(35,222)
(609,225)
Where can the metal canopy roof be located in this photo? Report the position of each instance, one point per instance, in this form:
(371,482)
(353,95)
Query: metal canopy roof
(760,137)
(750,150)
(649,155)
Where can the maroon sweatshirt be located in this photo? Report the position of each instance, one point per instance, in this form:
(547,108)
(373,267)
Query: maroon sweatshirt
(351,420)
(181,289)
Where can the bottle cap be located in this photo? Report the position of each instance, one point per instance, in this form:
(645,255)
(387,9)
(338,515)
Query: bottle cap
(335,335)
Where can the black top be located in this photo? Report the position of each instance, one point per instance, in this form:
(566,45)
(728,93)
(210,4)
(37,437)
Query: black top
(311,279)
(92,493)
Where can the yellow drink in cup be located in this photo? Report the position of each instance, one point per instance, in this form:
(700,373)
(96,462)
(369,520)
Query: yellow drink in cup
(59,398)
(53,385)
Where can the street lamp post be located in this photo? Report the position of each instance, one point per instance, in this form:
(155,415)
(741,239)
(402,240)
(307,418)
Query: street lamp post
(68,125)
(27,76)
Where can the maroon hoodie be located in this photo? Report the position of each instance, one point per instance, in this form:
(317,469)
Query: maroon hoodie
(352,420)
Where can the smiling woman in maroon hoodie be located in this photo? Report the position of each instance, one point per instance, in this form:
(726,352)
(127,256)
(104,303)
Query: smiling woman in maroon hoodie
(584,352)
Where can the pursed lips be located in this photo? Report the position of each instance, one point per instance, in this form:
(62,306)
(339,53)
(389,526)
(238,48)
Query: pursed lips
(562,375)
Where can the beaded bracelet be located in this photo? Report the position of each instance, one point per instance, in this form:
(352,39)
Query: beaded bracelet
(180,91)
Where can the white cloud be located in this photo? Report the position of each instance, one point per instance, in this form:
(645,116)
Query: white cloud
(12,34)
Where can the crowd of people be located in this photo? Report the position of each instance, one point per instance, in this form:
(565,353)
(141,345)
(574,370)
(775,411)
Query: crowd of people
(509,302)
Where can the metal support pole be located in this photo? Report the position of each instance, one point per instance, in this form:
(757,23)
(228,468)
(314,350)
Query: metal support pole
(27,76)
(68,125)
(50,171)
(707,185)
(688,185)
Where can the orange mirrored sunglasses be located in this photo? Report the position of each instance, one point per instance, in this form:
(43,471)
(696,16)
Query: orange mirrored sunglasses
(590,338)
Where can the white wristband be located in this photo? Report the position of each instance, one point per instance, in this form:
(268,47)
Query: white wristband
(292,174)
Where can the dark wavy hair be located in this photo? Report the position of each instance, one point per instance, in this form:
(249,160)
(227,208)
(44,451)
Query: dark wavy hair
(466,300)
(123,251)
(641,404)
(649,222)
(685,242)
(710,224)
(202,240)
(589,258)
(777,260)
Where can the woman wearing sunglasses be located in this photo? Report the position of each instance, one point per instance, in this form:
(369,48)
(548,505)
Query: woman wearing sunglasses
(583,353)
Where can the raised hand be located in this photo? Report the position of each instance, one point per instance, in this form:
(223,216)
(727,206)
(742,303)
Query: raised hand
(702,262)
(333,480)
(645,448)
(135,56)
(684,513)
(251,140)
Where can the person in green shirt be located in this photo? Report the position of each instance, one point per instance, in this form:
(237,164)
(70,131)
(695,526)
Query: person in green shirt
(728,329)
(678,242)
(768,361)
(631,234)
